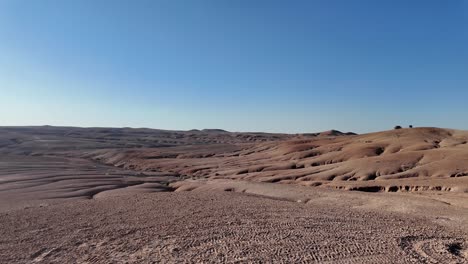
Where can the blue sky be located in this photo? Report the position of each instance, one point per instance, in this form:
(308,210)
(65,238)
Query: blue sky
(280,66)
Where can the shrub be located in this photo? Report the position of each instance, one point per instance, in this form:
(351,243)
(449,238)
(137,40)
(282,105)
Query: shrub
(397,127)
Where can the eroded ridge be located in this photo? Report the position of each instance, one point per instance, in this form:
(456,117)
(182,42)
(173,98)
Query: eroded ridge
(417,156)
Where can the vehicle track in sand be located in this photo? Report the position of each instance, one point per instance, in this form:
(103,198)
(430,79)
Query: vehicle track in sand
(436,250)
(213,227)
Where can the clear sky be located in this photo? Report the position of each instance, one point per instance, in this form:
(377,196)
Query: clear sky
(244,65)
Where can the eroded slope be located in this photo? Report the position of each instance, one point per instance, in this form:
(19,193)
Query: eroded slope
(395,160)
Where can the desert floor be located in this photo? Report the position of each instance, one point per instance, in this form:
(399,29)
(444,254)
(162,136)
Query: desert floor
(72,196)
(212,225)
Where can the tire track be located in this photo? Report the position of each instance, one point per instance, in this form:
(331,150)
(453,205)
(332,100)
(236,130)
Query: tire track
(436,249)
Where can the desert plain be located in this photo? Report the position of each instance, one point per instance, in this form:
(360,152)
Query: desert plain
(125,195)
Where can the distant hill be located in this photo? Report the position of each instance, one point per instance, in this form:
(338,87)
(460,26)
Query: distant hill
(335,133)
(214,130)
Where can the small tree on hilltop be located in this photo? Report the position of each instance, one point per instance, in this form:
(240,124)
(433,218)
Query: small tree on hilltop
(397,127)
(410,126)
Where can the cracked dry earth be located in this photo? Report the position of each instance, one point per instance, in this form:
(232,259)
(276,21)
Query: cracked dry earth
(195,227)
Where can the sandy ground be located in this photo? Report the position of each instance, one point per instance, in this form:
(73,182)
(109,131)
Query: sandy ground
(102,195)
(27,181)
(257,222)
